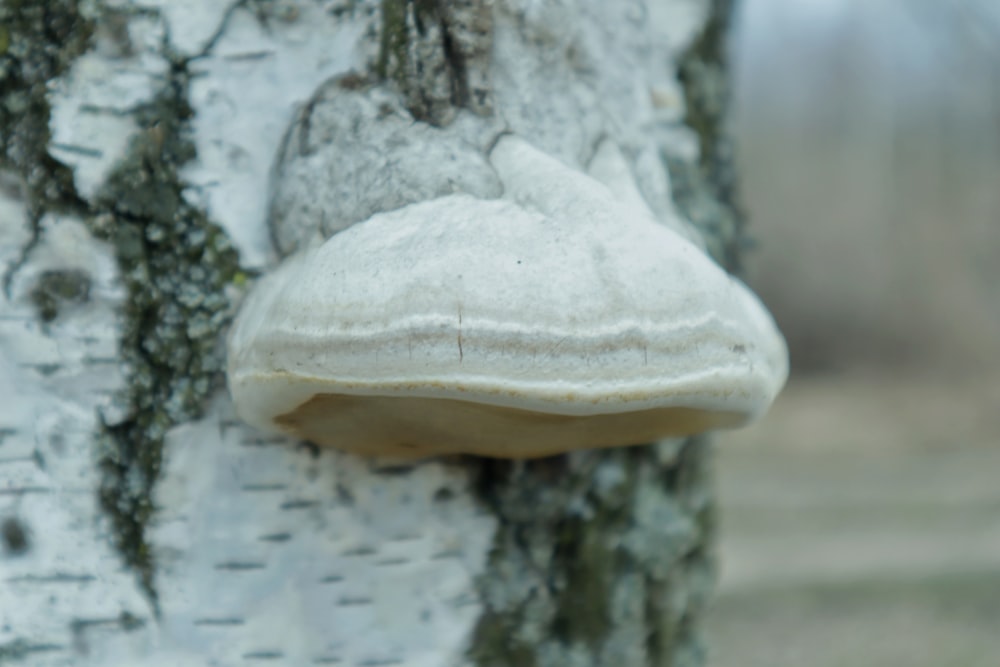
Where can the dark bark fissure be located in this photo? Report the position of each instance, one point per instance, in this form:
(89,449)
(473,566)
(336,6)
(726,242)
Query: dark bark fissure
(433,50)
(38,42)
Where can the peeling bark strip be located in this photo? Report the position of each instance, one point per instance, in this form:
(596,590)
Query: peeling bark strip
(437,52)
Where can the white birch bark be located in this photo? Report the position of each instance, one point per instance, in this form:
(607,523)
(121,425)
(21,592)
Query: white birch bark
(259,550)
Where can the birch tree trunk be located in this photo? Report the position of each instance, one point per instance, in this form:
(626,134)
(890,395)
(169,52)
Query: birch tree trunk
(140,523)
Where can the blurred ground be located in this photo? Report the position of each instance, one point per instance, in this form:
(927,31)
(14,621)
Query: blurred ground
(860,521)
(861,527)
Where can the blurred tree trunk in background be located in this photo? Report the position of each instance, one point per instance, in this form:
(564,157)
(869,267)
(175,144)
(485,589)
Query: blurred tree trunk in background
(141,523)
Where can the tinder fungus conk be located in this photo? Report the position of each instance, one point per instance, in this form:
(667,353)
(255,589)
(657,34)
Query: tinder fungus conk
(553,318)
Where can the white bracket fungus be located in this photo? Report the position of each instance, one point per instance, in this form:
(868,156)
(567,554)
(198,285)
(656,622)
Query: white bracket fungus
(553,318)
(611,168)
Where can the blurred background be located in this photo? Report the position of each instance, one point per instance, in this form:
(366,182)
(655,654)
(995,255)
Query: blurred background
(860,521)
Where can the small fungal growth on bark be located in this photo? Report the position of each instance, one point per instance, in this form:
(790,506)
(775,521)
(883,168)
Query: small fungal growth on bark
(550,319)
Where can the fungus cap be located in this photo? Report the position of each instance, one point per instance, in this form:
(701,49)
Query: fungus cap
(551,319)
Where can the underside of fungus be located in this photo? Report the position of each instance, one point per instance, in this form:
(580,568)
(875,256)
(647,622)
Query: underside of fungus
(557,317)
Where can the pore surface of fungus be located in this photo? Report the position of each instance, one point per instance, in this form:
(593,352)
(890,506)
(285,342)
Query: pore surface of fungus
(550,319)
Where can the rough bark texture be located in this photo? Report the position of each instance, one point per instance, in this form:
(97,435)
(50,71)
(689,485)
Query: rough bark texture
(140,523)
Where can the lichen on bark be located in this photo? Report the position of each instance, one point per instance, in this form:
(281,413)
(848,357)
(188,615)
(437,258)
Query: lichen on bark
(707,191)
(176,265)
(38,42)
(601,558)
